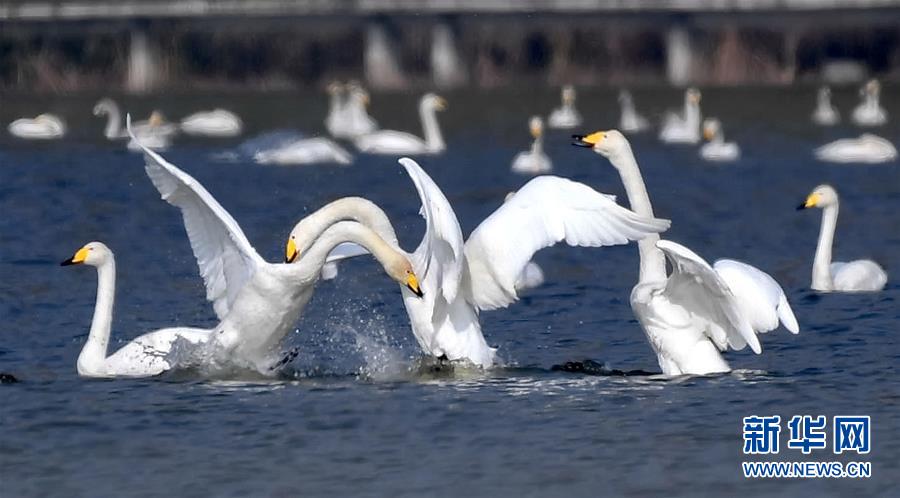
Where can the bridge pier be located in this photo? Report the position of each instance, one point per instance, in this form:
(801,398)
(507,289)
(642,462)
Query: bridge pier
(144,63)
(679,56)
(447,67)
(381,64)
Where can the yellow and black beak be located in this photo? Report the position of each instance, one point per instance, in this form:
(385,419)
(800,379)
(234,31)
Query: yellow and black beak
(708,133)
(291,252)
(412,283)
(810,202)
(77,259)
(441,104)
(588,140)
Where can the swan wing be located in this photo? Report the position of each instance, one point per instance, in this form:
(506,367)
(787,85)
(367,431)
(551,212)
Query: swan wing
(695,286)
(758,295)
(547,210)
(225,257)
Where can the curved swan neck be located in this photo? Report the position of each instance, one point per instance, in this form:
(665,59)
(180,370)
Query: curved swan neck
(354,209)
(692,113)
(113,121)
(433,138)
(821,275)
(653,262)
(348,231)
(537,147)
(93,354)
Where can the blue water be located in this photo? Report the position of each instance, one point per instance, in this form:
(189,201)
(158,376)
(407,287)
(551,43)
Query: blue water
(360,418)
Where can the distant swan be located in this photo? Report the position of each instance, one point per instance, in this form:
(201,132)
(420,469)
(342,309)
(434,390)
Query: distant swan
(347,114)
(717,149)
(856,276)
(43,127)
(144,356)
(629,120)
(867,148)
(305,151)
(215,123)
(533,162)
(684,129)
(392,142)
(153,130)
(825,113)
(698,310)
(566,116)
(869,112)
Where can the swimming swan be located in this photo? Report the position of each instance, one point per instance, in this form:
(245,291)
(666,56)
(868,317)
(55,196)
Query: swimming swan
(698,310)
(717,149)
(868,148)
(153,132)
(629,120)
(144,356)
(214,123)
(533,162)
(869,112)
(305,151)
(862,275)
(258,302)
(398,142)
(825,113)
(565,116)
(43,127)
(347,114)
(683,129)
(462,279)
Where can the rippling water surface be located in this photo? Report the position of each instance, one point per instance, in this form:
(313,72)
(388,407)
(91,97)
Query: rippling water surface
(360,417)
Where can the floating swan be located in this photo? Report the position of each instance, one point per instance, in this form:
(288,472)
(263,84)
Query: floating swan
(630,121)
(144,356)
(43,127)
(347,115)
(565,116)
(461,279)
(214,123)
(258,302)
(305,151)
(861,275)
(683,129)
(825,113)
(868,148)
(153,131)
(398,142)
(697,310)
(869,112)
(717,149)
(534,162)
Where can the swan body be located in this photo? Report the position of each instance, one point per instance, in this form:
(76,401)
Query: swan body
(214,123)
(392,142)
(825,114)
(305,151)
(258,302)
(154,132)
(482,274)
(684,129)
(565,116)
(855,276)
(692,314)
(629,120)
(43,127)
(535,161)
(868,148)
(717,149)
(869,112)
(146,355)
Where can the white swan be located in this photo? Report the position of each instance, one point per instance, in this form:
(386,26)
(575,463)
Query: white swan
(337,109)
(461,279)
(43,127)
(258,302)
(683,129)
(144,356)
(697,310)
(629,120)
(153,132)
(825,113)
(305,151)
(533,162)
(868,148)
(869,112)
(347,114)
(565,116)
(397,142)
(862,275)
(717,149)
(214,123)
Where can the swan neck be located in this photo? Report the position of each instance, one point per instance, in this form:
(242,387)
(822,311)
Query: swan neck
(348,231)
(821,276)
(352,209)
(537,147)
(93,354)
(434,140)
(113,121)
(653,263)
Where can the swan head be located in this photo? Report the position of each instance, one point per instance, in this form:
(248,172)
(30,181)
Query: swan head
(711,128)
(568,94)
(824,93)
(606,143)
(433,101)
(536,126)
(358,93)
(156,119)
(872,87)
(92,254)
(624,96)
(103,106)
(692,95)
(821,197)
(334,88)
